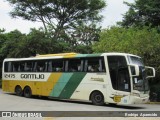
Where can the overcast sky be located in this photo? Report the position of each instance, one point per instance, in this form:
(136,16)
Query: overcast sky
(112,13)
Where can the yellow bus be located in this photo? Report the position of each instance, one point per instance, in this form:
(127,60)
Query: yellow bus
(117,78)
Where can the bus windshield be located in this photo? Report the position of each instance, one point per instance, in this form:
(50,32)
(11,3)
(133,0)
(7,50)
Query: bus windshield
(140,82)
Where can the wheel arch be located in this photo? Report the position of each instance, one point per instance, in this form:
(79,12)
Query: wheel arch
(26,87)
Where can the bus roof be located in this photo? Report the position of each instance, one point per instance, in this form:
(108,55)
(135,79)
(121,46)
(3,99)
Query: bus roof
(83,55)
(59,54)
(67,55)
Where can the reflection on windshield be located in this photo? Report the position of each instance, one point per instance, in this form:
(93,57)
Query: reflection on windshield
(135,60)
(140,82)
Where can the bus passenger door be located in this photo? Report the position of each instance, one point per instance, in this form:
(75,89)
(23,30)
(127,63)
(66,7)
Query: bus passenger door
(119,75)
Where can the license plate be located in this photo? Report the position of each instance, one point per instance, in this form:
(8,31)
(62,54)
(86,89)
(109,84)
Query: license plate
(117,98)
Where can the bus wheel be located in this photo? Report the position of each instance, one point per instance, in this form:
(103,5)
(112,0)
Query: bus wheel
(27,92)
(18,91)
(97,98)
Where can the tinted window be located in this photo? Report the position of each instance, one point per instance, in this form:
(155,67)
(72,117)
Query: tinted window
(28,66)
(15,66)
(41,66)
(58,65)
(21,66)
(6,65)
(95,64)
(74,65)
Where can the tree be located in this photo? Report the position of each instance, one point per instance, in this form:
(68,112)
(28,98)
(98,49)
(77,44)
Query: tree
(21,45)
(11,43)
(2,41)
(2,37)
(62,18)
(142,13)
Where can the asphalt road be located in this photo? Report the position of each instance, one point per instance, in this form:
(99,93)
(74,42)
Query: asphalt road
(11,102)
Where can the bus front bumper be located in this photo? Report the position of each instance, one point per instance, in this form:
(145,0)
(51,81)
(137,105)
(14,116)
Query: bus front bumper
(138,100)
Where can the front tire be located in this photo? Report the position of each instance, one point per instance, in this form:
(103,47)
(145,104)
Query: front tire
(97,98)
(27,92)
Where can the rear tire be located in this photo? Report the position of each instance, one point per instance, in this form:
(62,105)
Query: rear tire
(18,91)
(27,92)
(97,98)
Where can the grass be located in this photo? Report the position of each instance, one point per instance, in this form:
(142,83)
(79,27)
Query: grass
(153,103)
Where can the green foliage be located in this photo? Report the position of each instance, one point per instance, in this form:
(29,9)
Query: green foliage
(155,93)
(142,13)
(3,38)
(144,42)
(12,43)
(63,18)
(17,44)
(36,42)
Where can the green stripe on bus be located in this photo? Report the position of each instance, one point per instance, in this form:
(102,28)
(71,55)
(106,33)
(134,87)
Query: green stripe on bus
(94,55)
(81,55)
(89,55)
(72,85)
(61,83)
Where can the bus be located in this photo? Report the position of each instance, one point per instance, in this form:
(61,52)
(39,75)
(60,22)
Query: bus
(102,78)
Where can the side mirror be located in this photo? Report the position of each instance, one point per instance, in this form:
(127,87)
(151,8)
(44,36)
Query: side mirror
(151,70)
(134,70)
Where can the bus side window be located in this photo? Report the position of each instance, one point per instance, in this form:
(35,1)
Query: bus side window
(28,66)
(50,66)
(46,66)
(74,65)
(93,65)
(101,67)
(21,67)
(9,66)
(6,67)
(15,66)
(41,66)
(35,66)
(58,65)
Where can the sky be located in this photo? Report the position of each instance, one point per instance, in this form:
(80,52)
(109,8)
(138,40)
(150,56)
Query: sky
(112,14)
